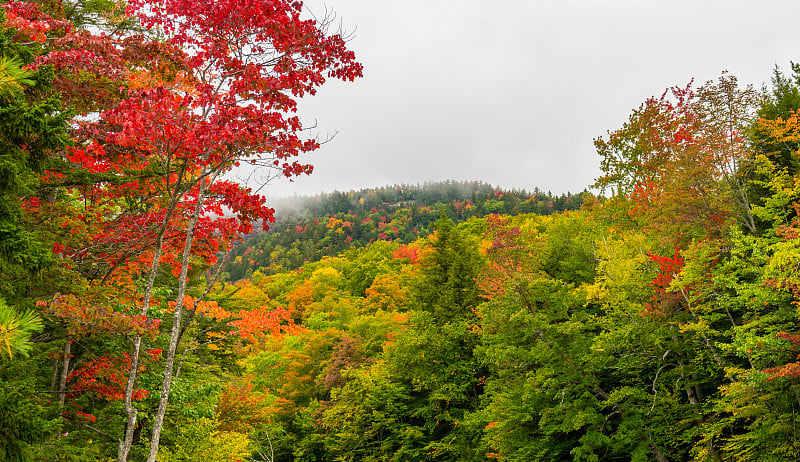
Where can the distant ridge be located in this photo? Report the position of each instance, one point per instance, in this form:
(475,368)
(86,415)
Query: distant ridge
(427,193)
(309,228)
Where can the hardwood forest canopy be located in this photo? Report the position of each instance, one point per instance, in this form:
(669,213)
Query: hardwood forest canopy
(146,313)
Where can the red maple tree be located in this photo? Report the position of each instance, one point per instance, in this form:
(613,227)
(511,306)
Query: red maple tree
(167,112)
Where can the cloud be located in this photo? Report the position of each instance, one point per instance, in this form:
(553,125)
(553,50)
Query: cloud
(513,93)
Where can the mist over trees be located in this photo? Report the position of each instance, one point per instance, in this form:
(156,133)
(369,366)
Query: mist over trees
(310,228)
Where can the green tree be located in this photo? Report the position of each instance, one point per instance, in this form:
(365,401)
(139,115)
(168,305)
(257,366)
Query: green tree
(549,395)
(33,128)
(25,421)
(202,441)
(780,102)
(447,285)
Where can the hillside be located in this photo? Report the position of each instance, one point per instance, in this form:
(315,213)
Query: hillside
(307,229)
(442,322)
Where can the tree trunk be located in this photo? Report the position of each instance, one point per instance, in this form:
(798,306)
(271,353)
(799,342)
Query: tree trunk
(130,411)
(169,361)
(55,376)
(657,452)
(62,382)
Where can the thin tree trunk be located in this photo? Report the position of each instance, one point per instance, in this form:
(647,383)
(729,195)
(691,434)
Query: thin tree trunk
(655,449)
(62,383)
(169,361)
(55,376)
(744,204)
(709,346)
(131,412)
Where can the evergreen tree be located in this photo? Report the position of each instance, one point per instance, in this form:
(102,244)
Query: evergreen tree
(447,287)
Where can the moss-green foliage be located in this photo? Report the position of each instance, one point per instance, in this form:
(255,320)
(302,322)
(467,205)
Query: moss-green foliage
(24,421)
(446,285)
(201,441)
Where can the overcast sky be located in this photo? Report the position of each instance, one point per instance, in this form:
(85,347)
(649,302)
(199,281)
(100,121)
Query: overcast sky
(512,93)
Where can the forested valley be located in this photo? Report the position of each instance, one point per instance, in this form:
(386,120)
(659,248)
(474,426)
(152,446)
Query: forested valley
(153,309)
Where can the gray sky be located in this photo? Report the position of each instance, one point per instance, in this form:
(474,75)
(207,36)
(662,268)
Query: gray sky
(512,93)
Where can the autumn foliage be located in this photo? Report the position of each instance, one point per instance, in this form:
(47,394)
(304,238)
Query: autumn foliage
(166,99)
(659,323)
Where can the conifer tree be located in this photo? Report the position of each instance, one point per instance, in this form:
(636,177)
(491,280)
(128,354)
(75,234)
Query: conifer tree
(447,287)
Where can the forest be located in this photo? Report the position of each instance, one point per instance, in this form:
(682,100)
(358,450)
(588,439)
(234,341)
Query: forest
(153,309)
(310,228)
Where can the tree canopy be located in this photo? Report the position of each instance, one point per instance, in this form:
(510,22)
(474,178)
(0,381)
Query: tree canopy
(147,312)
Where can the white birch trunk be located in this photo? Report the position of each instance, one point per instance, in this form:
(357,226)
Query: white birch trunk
(131,412)
(169,361)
